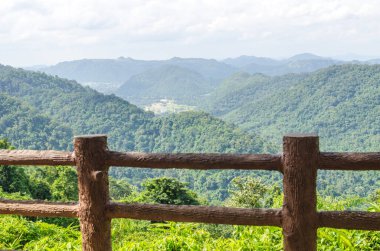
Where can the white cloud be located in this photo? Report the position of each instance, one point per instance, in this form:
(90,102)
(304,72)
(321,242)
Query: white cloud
(45,31)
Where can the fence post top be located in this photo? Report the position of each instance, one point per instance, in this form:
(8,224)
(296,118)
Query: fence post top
(301,135)
(90,136)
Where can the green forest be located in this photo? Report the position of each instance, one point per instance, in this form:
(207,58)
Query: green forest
(39,111)
(340,103)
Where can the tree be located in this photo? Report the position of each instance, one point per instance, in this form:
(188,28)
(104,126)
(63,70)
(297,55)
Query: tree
(13,179)
(40,189)
(251,193)
(168,191)
(65,186)
(119,189)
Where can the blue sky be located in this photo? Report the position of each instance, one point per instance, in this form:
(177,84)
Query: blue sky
(46,32)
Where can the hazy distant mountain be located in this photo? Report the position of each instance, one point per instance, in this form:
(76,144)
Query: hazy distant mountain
(374,61)
(242,61)
(306,56)
(210,69)
(305,62)
(185,80)
(168,81)
(117,71)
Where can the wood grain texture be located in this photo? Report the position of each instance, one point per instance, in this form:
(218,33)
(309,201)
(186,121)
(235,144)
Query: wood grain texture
(90,157)
(350,161)
(349,220)
(195,160)
(32,157)
(299,213)
(38,208)
(215,215)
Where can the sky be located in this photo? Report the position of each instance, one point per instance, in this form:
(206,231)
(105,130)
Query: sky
(41,32)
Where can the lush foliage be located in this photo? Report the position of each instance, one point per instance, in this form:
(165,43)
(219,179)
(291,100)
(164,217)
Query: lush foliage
(167,191)
(252,193)
(20,233)
(27,128)
(42,112)
(340,103)
(86,111)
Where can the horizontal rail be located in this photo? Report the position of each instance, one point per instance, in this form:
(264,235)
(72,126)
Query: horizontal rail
(32,157)
(328,161)
(38,208)
(195,160)
(349,220)
(201,214)
(350,161)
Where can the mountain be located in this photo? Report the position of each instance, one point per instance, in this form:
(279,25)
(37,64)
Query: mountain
(305,62)
(374,61)
(114,71)
(111,73)
(243,88)
(85,111)
(43,112)
(340,103)
(306,56)
(185,80)
(212,70)
(39,111)
(242,61)
(167,81)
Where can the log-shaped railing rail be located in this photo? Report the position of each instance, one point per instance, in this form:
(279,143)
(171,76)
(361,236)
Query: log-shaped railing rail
(298,163)
(328,161)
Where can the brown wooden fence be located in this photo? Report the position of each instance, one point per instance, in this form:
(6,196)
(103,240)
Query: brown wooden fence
(298,217)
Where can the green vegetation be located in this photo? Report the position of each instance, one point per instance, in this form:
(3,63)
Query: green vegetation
(249,192)
(26,128)
(167,191)
(86,111)
(34,234)
(167,81)
(63,234)
(43,112)
(340,103)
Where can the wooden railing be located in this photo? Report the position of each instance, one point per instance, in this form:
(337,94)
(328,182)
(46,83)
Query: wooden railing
(298,217)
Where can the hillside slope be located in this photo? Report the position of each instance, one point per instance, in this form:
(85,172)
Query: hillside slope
(86,111)
(30,130)
(167,81)
(340,103)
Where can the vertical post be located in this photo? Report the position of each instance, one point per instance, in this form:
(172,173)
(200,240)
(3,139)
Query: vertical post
(90,158)
(299,213)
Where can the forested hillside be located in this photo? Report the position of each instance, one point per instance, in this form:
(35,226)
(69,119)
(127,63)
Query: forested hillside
(169,81)
(69,109)
(29,129)
(340,103)
(86,111)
